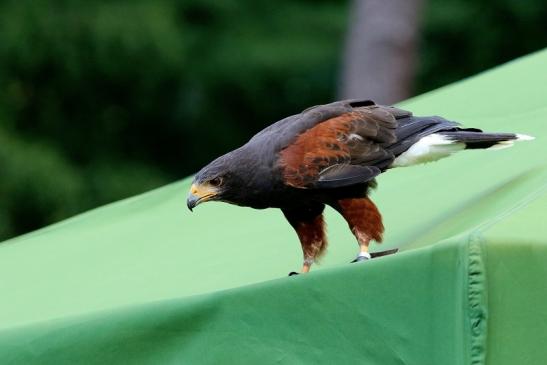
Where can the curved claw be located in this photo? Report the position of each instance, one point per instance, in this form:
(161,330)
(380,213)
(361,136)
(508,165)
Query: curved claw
(292,273)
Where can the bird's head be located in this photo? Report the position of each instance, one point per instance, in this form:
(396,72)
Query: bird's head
(218,181)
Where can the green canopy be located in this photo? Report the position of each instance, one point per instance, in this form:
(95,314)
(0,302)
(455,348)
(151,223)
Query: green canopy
(145,281)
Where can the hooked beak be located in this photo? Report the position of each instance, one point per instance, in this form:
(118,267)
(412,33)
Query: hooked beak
(199,194)
(192,201)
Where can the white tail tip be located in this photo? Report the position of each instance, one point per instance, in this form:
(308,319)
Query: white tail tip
(524,137)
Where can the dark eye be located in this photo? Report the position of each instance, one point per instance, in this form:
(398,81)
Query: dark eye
(217,181)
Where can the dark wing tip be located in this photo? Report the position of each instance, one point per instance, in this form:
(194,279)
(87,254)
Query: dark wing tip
(344,175)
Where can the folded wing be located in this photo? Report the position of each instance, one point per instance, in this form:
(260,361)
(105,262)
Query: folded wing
(344,150)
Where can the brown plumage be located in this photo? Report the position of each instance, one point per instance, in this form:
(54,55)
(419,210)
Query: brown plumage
(336,141)
(363,217)
(330,155)
(311,233)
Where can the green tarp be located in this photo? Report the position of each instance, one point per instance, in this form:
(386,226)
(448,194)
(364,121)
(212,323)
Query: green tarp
(145,281)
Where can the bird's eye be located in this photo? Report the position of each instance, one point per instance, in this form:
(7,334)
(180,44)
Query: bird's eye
(217,181)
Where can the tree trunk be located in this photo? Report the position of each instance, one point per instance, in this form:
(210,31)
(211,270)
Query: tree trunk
(381,50)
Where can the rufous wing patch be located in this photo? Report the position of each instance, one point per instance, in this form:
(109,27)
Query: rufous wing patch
(343,140)
(316,149)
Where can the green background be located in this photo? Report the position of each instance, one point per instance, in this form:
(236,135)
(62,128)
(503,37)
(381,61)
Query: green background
(145,281)
(101,100)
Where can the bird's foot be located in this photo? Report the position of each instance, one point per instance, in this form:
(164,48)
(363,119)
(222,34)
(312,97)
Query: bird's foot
(360,258)
(305,268)
(363,256)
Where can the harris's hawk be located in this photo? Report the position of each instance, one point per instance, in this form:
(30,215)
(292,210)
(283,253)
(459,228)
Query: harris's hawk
(330,154)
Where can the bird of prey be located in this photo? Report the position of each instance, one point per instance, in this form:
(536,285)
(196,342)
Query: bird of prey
(330,155)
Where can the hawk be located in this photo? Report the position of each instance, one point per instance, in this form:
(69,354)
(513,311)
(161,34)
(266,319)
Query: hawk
(330,155)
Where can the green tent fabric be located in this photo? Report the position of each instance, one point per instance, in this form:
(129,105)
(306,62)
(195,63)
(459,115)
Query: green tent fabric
(145,281)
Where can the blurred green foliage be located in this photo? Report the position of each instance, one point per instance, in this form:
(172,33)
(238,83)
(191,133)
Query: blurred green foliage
(463,37)
(104,99)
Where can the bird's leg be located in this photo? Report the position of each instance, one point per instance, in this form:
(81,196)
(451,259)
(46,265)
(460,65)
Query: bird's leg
(365,223)
(363,239)
(307,265)
(309,226)
(312,240)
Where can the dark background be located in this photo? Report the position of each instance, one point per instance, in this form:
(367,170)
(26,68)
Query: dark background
(100,100)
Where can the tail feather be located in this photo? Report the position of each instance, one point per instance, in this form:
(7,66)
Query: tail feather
(479,140)
(444,143)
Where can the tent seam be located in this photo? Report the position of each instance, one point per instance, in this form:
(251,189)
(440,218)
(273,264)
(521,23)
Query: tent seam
(477,300)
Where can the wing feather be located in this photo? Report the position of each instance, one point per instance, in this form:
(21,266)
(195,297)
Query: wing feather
(342,150)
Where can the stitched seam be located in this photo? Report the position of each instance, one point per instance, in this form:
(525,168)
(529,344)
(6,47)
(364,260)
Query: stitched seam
(477,300)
